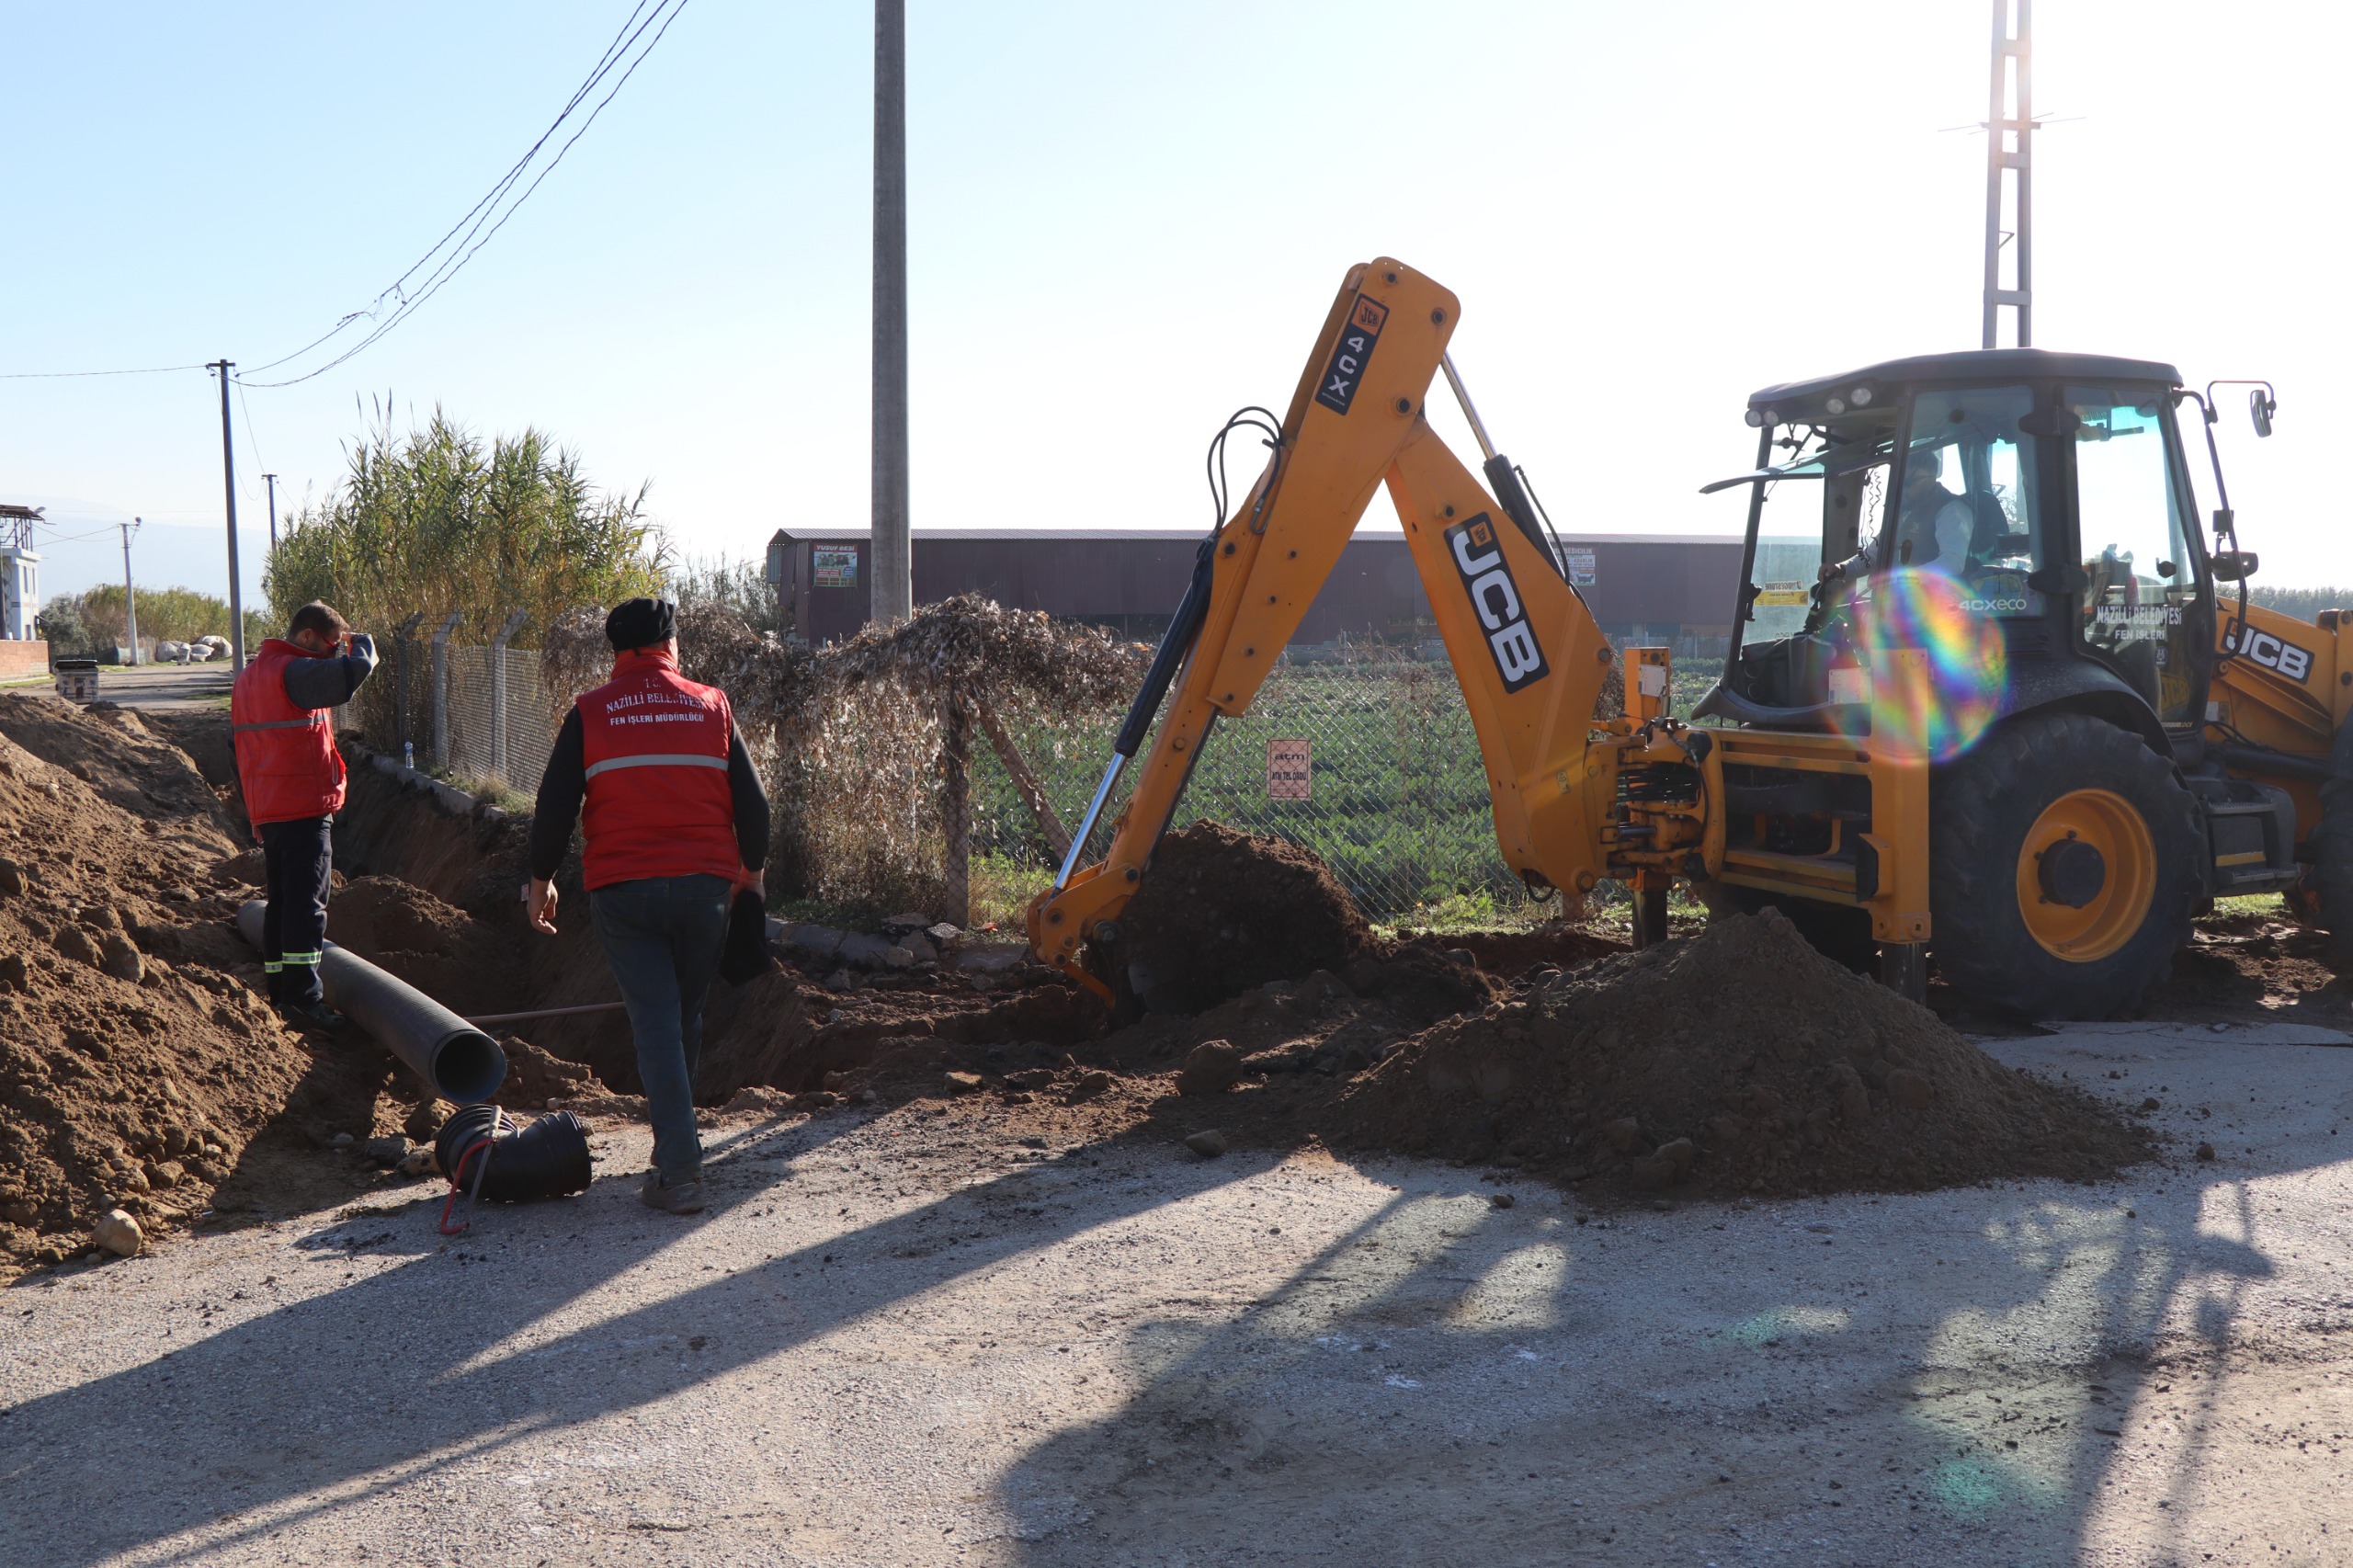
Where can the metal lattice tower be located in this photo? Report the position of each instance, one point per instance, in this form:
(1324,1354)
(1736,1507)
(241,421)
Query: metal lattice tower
(2009,149)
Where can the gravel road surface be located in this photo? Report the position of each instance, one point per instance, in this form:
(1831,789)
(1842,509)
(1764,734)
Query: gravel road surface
(906,1339)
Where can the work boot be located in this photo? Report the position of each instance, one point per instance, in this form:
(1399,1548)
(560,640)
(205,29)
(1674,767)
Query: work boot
(313,1017)
(680,1197)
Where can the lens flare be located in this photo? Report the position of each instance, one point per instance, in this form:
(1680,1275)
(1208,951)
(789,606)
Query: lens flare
(1937,665)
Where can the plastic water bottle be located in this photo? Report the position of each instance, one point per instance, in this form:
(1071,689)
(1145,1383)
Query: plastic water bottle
(408,754)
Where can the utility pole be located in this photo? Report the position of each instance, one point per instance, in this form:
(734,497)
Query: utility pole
(130,599)
(229,488)
(893,589)
(2009,146)
(271,480)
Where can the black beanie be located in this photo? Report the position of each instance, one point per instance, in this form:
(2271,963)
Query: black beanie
(640,623)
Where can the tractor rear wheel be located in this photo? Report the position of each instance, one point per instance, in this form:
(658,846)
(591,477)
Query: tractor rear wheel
(2062,867)
(2330,883)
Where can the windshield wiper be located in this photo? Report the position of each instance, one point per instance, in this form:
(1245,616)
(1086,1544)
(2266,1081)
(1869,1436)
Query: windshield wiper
(1828,463)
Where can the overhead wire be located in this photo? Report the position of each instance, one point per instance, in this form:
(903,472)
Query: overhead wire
(477,228)
(70,375)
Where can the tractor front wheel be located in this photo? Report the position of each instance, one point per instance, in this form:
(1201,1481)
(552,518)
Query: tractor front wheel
(2062,869)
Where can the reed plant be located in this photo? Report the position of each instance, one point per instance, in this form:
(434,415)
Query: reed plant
(437,519)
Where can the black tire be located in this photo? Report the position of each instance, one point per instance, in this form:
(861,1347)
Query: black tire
(2330,881)
(1981,810)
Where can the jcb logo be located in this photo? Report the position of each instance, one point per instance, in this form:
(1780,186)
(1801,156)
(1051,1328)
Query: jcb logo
(2264,649)
(1487,578)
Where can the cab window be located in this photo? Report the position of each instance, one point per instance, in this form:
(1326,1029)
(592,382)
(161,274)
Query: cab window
(2143,583)
(1967,505)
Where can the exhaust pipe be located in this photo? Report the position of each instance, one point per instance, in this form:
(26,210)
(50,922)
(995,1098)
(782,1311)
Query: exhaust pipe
(461,1063)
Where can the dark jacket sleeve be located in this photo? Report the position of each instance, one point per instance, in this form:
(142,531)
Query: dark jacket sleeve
(329,682)
(751,804)
(562,788)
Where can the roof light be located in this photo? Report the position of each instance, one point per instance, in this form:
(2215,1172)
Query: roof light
(1836,406)
(1756,418)
(1860,397)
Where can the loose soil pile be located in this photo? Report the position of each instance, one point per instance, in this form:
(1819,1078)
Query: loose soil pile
(1737,1059)
(466,964)
(1222,911)
(133,1071)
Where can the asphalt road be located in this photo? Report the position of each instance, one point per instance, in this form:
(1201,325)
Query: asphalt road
(898,1339)
(165,686)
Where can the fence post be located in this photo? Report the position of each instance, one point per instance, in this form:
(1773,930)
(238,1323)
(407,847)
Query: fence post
(498,691)
(401,636)
(441,690)
(956,807)
(1025,782)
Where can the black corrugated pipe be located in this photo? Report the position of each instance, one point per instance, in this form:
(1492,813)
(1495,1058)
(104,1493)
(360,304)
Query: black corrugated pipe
(459,1062)
(547,1157)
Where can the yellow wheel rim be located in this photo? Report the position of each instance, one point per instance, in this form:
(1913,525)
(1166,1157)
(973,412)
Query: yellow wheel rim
(2107,823)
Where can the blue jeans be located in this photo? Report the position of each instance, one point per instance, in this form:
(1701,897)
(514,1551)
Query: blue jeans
(664,935)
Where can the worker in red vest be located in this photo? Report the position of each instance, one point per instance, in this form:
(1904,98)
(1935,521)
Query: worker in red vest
(677,821)
(292,776)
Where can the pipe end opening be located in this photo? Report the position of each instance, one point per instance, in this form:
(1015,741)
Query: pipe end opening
(468,1067)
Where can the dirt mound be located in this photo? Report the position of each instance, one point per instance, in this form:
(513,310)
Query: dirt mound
(1737,1059)
(1223,911)
(466,964)
(133,1071)
(123,761)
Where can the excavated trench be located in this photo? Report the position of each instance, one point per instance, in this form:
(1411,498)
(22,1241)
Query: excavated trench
(1736,1061)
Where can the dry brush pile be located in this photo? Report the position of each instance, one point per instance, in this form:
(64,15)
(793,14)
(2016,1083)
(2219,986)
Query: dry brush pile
(866,746)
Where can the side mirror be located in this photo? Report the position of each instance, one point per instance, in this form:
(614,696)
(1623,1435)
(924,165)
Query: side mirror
(2234,565)
(2262,405)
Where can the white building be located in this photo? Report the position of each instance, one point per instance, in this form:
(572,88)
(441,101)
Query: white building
(19,574)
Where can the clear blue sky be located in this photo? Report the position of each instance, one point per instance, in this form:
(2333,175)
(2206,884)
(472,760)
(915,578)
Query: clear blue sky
(1126,221)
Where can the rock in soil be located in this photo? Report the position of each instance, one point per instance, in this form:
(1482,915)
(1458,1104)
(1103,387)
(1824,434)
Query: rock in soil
(118,1233)
(1739,1058)
(1210,1068)
(1223,911)
(1209,1143)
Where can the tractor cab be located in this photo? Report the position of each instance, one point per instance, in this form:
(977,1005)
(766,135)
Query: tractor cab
(2024,515)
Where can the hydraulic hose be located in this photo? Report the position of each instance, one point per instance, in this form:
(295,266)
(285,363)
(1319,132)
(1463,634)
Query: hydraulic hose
(1183,627)
(461,1063)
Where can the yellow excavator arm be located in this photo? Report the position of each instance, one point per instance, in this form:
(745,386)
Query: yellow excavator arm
(1531,658)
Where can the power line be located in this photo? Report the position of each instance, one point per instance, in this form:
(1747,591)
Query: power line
(67,375)
(477,228)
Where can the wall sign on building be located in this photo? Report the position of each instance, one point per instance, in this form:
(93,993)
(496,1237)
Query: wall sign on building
(1580,567)
(834,566)
(1289,770)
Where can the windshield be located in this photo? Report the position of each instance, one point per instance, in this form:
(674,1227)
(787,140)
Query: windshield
(1822,503)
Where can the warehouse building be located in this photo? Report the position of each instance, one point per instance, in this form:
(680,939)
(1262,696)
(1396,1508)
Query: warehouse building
(1676,589)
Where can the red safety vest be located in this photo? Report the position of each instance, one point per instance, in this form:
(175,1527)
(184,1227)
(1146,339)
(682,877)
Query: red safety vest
(287,762)
(656,745)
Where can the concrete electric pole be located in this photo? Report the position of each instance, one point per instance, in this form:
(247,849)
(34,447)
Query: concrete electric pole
(130,596)
(229,488)
(888,555)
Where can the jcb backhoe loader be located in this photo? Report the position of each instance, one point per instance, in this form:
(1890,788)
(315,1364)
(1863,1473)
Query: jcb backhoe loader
(1987,704)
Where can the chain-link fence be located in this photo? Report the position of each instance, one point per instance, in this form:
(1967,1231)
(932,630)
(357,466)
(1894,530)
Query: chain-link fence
(480,715)
(1365,756)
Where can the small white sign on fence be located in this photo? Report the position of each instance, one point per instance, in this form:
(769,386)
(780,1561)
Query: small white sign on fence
(1288,776)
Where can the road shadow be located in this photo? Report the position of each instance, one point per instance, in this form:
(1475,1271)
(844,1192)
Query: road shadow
(1898,1378)
(415,1368)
